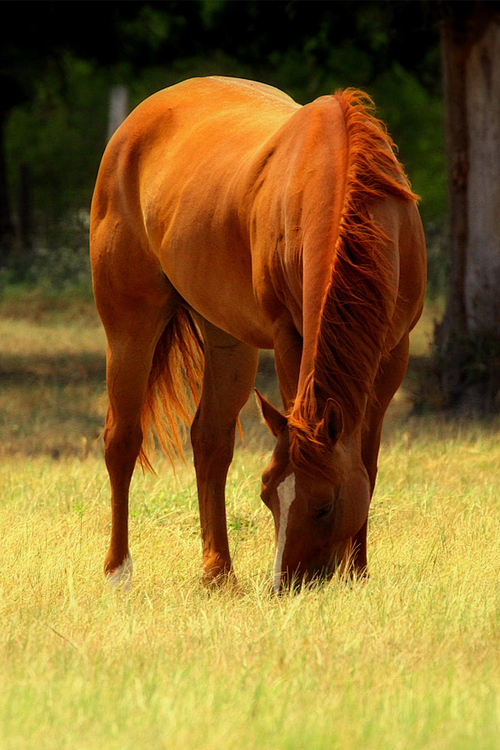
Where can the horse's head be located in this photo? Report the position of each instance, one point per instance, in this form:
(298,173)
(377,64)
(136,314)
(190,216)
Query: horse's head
(316,513)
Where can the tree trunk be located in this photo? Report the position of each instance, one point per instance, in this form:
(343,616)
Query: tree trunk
(468,339)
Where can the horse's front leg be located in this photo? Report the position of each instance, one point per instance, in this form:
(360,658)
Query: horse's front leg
(230,369)
(389,378)
(287,356)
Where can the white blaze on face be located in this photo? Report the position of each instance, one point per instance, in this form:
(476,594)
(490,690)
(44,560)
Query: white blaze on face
(286,496)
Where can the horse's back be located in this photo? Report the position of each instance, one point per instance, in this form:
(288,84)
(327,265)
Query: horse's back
(172,131)
(212,116)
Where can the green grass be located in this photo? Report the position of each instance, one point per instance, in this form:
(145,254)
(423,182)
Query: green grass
(408,660)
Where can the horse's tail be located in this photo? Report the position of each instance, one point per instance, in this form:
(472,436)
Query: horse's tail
(173,389)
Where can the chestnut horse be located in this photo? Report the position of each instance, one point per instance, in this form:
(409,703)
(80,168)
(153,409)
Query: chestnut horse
(226,219)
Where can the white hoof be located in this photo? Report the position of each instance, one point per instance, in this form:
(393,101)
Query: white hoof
(121,577)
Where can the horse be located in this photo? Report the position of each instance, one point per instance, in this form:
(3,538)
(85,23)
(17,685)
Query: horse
(227,218)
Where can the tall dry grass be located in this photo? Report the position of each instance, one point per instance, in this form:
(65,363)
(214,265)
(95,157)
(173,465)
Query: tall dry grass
(408,660)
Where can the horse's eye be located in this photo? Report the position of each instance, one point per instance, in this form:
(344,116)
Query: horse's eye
(324,511)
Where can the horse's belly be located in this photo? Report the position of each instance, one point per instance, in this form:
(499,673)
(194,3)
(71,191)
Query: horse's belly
(220,293)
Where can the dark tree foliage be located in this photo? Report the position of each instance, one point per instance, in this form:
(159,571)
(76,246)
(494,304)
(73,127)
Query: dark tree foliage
(50,51)
(39,35)
(401,30)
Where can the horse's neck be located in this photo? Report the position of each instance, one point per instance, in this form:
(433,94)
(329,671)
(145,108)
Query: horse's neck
(293,194)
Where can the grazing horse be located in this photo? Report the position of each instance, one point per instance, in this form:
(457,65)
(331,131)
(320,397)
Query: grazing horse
(226,219)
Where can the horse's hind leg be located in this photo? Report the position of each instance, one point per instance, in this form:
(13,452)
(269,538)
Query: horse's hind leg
(230,369)
(134,320)
(131,346)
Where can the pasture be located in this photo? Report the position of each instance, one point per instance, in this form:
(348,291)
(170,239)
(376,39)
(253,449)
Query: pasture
(409,659)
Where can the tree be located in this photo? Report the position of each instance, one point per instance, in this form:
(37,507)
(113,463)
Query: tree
(80,50)
(38,36)
(468,340)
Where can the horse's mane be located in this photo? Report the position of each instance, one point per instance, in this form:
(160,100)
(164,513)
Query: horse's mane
(358,304)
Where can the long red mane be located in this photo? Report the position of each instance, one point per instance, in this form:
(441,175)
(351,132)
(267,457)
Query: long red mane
(357,307)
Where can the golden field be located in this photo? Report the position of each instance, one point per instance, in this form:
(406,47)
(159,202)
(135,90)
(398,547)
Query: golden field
(408,660)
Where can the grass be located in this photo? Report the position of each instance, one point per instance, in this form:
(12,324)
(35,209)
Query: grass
(409,659)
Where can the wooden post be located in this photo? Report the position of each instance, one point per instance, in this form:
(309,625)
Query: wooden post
(118,108)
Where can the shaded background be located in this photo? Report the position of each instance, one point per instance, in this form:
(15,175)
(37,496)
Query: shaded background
(60,61)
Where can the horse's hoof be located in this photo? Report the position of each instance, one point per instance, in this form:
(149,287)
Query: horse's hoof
(121,577)
(218,579)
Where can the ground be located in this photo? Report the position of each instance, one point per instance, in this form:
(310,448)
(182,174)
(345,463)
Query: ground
(408,659)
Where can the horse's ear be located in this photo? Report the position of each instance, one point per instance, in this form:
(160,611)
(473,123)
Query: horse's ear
(332,423)
(272,417)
